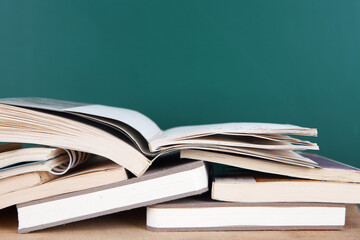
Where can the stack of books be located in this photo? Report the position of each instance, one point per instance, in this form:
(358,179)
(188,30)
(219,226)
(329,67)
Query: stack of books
(82,161)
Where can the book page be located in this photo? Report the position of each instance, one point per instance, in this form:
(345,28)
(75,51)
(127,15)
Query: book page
(94,164)
(242,141)
(283,156)
(66,130)
(16,158)
(144,125)
(136,138)
(227,128)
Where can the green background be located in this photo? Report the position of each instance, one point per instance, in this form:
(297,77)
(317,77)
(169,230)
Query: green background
(193,62)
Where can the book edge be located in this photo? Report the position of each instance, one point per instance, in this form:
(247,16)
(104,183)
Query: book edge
(245,228)
(75,219)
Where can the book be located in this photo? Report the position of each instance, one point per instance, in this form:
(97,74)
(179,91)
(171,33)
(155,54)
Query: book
(22,168)
(272,188)
(161,183)
(97,171)
(23,181)
(328,170)
(197,214)
(56,161)
(132,225)
(134,141)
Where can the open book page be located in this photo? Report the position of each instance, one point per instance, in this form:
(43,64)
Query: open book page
(243,141)
(173,135)
(66,130)
(138,121)
(281,156)
(144,125)
(136,126)
(139,142)
(272,137)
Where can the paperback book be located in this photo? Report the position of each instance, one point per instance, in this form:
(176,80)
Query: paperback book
(160,184)
(203,214)
(134,141)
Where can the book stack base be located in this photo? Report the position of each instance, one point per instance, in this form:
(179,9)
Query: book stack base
(131,225)
(195,214)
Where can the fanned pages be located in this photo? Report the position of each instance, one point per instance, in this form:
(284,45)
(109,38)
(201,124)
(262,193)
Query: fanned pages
(26,125)
(171,136)
(56,161)
(133,140)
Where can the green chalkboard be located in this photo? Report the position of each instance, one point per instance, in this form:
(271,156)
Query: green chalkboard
(193,62)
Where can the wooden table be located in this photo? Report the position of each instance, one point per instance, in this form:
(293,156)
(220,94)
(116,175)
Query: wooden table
(131,225)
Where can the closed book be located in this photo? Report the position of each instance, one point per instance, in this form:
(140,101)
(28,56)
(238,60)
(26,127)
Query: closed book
(159,184)
(197,214)
(272,188)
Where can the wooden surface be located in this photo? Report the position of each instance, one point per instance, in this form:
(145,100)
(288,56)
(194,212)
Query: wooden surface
(131,225)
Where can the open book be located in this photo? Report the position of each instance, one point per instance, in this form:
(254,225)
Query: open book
(133,140)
